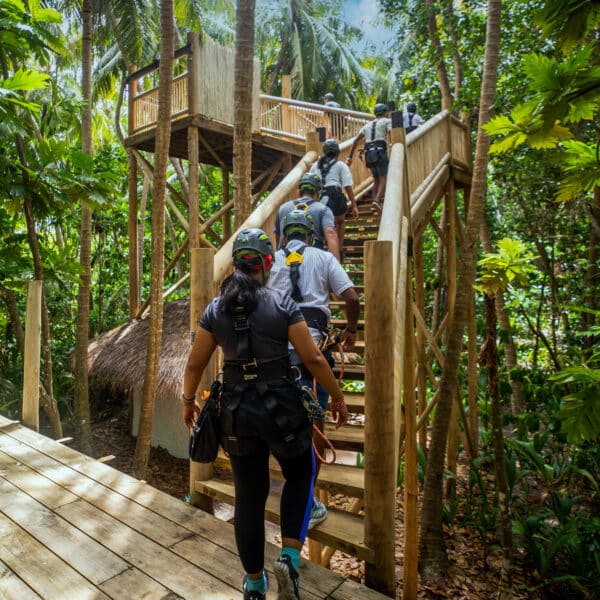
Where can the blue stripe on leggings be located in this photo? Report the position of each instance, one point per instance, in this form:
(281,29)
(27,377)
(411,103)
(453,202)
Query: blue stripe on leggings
(310,497)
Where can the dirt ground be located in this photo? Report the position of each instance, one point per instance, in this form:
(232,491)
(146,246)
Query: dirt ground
(472,576)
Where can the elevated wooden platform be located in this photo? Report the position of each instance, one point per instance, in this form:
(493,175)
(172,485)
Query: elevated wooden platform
(74,528)
(215,145)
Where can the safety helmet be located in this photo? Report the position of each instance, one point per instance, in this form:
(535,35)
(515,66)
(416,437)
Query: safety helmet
(328,96)
(411,108)
(253,240)
(380,109)
(297,221)
(331,147)
(311,182)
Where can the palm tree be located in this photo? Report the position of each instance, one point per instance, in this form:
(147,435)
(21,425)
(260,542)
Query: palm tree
(432,549)
(312,49)
(81,400)
(242,98)
(163,138)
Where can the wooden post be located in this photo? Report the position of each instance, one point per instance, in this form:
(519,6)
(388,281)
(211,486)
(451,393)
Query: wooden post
(31,359)
(286,92)
(194,74)
(313,142)
(421,356)
(134,259)
(450,239)
(411,480)
(380,435)
(201,294)
(193,209)
(225,195)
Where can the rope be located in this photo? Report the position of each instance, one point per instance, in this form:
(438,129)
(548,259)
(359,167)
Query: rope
(327,441)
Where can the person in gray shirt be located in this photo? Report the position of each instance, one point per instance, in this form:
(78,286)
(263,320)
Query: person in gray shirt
(309,276)
(322,218)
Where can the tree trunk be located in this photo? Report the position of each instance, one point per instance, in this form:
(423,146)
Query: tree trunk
(163,137)
(592,274)
(242,126)
(510,354)
(439,56)
(434,560)
(81,407)
(489,359)
(47,400)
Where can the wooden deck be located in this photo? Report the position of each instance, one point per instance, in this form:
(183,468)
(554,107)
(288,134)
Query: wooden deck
(72,527)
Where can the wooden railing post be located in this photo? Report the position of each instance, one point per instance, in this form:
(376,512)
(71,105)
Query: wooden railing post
(202,291)
(286,92)
(31,360)
(194,74)
(380,434)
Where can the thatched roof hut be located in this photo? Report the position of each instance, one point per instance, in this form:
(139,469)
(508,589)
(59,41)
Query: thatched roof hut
(117,364)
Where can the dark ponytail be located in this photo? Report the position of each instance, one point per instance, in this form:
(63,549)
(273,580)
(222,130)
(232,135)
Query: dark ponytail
(239,289)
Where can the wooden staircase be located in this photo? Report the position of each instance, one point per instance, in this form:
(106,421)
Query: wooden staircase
(342,530)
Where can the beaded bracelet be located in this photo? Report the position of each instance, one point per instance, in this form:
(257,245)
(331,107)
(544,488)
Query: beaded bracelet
(187,401)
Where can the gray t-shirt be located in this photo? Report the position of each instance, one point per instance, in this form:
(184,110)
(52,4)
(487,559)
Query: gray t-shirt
(339,174)
(269,324)
(382,126)
(321,215)
(320,274)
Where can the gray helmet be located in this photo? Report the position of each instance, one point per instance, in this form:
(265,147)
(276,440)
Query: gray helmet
(380,109)
(297,221)
(331,147)
(255,240)
(411,108)
(310,181)
(328,96)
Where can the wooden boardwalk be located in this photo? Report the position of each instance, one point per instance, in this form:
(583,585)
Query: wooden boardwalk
(72,527)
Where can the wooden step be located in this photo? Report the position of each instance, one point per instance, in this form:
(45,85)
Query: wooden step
(347,480)
(347,437)
(355,402)
(341,530)
(351,372)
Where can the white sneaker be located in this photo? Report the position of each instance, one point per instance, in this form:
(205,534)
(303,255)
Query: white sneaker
(318,513)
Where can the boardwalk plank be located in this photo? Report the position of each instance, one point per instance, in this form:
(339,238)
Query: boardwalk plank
(117,505)
(81,552)
(135,584)
(149,557)
(317,582)
(39,568)
(12,588)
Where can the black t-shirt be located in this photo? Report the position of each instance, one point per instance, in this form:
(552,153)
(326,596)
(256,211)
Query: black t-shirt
(269,324)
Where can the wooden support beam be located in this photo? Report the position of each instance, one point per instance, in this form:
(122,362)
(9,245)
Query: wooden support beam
(132,232)
(202,291)
(31,356)
(380,435)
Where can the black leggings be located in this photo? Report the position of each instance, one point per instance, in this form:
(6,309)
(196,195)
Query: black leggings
(251,477)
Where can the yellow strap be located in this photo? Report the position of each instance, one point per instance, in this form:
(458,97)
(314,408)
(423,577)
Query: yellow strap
(293,257)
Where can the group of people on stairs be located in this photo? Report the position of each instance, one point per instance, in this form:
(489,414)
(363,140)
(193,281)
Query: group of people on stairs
(272,321)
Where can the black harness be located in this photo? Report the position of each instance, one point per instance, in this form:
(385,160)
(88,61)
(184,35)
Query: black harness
(245,372)
(293,259)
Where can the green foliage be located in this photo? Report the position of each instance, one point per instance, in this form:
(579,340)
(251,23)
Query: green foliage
(509,266)
(580,411)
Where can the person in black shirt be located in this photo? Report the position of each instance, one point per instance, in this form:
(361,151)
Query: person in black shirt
(261,408)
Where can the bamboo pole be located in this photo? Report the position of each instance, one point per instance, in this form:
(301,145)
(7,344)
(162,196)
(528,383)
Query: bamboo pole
(193,208)
(202,291)
(31,356)
(380,435)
